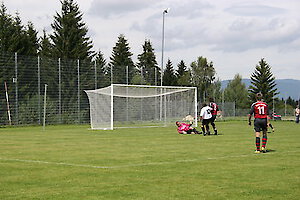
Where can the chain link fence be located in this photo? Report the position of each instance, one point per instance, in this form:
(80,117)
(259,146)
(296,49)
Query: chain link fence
(25,77)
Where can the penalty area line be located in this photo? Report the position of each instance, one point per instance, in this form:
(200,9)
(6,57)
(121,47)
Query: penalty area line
(54,163)
(136,165)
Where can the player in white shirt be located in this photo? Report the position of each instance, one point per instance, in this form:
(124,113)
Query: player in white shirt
(297,114)
(205,117)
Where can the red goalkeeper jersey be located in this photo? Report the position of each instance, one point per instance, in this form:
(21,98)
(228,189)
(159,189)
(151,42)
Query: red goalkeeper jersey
(183,127)
(259,109)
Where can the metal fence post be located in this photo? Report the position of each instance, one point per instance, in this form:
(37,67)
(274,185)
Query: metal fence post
(39,89)
(155,76)
(59,90)
(45,104)
(234,108)
(142,82)
(127,93)
(78,90)
(95,64)
(16,87)
(111,75)
(127,75)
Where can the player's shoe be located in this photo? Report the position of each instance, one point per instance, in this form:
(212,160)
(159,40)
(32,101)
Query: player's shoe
(204,134)
(257,152)
(216,132)
(264,149)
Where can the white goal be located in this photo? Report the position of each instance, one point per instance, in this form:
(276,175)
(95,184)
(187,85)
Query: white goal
(136,106)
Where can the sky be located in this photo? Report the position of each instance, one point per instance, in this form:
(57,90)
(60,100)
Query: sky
(233,34)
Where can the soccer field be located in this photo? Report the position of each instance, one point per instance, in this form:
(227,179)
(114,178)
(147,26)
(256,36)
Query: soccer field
(73,162)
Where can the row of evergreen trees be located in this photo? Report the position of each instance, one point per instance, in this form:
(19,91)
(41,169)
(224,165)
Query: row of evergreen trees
(69,41)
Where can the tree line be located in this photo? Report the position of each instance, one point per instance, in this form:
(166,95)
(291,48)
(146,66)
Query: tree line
(69,41)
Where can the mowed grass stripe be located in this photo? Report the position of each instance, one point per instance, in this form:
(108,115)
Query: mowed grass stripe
(144,164)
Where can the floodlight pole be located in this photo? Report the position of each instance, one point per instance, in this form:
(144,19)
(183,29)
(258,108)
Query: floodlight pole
(162,59)
(162,46)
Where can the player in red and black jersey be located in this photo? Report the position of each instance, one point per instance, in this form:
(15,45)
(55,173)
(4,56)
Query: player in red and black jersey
(214,112)
(260,111)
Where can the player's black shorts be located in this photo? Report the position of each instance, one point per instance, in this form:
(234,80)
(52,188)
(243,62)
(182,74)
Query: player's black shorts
(206,121)
(260,124)
(213,118)
(189,131)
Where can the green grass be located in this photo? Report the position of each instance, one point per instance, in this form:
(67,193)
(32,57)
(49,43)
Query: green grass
(73,162)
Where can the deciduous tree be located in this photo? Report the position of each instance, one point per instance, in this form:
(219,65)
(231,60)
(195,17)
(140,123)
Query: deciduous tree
(236,91)
(203,75)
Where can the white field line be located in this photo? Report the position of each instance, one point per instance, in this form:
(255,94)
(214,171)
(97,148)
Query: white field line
(136,165)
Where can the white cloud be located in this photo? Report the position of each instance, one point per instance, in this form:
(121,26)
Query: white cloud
(255,10)
(117,8)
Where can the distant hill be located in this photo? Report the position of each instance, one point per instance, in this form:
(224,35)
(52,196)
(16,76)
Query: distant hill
(286,87)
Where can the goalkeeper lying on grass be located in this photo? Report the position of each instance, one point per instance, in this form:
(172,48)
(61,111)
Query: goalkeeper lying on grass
(184,128)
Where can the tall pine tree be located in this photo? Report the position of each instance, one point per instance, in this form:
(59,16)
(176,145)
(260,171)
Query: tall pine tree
(45,46)
(121,64)
(69,37)
(6,40)
(32,40)
(27,61)
(263,80)
(6,30)
(14,36)
(19,37)
(102,73)
(147,64)
(181,68)
(183,74)
(70,42)
(6,60)
(48,66)
(169,76)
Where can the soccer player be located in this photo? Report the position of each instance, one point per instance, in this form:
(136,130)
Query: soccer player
(205,117)
(260,111)
(214,112)
(184,128)
(297,114)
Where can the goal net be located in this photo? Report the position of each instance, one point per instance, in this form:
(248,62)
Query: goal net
(136,106)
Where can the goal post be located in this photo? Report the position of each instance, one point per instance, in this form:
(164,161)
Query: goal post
(120,105)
